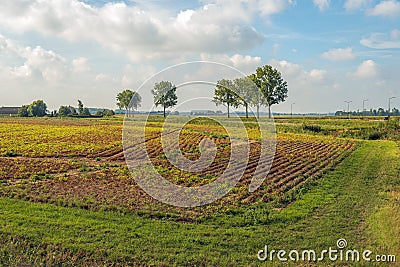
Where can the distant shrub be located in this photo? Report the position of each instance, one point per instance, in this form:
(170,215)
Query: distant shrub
(10,154)
(312,128)
(99,113)
(105,113)
(23,111)
(109,112)
(375,135)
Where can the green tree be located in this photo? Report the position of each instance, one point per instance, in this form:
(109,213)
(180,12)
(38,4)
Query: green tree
(99,113)
(23,111)
(105,112)
(128,100)
(80,108)
(64,111)
(108,112)
(224,94)
(136,101)
(164,94)
(86,112)
(73,111)
(258,100)
(37,108)
(124,99)
(271,85)
(246,90)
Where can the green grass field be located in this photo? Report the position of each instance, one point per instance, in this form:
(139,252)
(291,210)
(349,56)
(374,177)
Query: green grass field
(45,222)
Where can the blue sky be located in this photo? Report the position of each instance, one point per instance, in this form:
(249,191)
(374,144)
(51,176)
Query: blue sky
(328,51)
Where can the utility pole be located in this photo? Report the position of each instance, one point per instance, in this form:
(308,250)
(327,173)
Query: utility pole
(365,100)
(291,109)
(390,98)
(348,107)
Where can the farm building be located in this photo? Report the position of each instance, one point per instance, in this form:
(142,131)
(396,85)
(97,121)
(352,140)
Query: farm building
(8,111)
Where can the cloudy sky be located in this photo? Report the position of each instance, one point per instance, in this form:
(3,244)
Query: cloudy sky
(328,51)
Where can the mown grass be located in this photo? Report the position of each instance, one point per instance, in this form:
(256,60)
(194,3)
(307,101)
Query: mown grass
(345,203)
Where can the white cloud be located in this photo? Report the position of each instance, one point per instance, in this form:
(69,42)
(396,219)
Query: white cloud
(296,74)
(322,4)
(382,40)
(317,74)
(37,73)
(273,6)
(339,54)
(38,63)
(219,26)
(389,8)
(133,76)
(244,63)
(80,65)
(351,5)
(367,69)
(287,68)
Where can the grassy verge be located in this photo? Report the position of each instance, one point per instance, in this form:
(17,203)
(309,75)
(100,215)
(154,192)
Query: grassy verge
(349,202)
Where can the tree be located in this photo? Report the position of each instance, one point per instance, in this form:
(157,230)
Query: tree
(128,99)
(136,101)
(99,113)
(64,111)
(37,108)
(124,99)
(224,94)
(80,108)
(105,112)
(73,111)
(271,85)
(258,100)
(246,91)
(23,111)
(381,112)
(164,94)
(86,112)
(108,112)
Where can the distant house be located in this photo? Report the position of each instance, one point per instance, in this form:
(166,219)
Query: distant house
(8,111)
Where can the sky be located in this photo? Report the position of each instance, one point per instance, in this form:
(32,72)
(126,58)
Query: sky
(327,51)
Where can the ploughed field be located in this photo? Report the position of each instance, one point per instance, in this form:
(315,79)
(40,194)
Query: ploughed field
(80,163)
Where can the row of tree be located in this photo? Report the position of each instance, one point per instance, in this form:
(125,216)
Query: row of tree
(39,109)
(64,111)
(164,94)
(371,112)
(265,87)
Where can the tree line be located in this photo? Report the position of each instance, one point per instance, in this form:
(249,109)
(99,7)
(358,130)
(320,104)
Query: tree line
(371,112)
(265,87)
(38,108)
